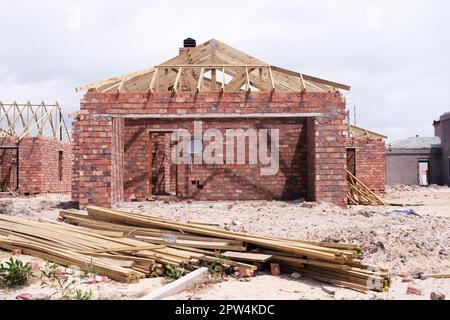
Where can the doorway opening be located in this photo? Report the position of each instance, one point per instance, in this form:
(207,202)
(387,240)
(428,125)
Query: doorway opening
(351,160)
(162,171)
(424,172)
(9,169)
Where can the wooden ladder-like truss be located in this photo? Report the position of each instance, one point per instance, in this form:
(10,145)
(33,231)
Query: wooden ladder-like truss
(28,120)
(213,67)
(359,194)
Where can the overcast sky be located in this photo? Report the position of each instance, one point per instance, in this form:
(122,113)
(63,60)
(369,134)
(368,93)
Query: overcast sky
(394,54)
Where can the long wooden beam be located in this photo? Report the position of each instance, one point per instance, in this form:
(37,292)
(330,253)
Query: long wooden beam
(113,79)
(213,66)
(311,78)
(215,115)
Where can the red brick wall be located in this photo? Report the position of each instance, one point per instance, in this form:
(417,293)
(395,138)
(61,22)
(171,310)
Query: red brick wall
(370,162)
(93,170)
(327,160)
(227,181)
(39,166)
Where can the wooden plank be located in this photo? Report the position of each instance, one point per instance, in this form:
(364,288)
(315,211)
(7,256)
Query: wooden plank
(125,249)
(364,188)
(311,78)
(436,276)
(113,79)
(200,80)
(213,80)
(214,66)
(192,279)
(153,82)
(115,216)
(252,257)
(272,81)
(177,80)
(203,223)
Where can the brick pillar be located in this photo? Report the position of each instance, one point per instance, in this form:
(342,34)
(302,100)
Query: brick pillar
(327,158)
(95,144)
(75,162)
(311,158)
(117,160)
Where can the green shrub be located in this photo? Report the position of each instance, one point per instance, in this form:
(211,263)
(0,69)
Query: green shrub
(15,273)
(172,273)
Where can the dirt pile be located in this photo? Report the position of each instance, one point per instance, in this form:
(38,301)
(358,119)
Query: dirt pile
(6,207)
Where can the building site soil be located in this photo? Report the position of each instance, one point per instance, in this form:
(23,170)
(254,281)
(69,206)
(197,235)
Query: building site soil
(409,241)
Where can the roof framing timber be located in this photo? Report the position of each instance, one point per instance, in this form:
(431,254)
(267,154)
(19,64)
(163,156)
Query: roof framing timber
(196,70)
(358,133)
(36,120)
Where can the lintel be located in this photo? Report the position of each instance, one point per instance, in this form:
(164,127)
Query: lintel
(216,115)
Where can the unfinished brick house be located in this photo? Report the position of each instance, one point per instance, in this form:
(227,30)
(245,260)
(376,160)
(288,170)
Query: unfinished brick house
(123,134)
(35,149)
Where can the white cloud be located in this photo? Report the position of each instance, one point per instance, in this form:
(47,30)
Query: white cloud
(374,17)
(394,54)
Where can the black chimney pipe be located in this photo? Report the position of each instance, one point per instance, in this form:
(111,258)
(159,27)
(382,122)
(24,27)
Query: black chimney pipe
(189,43)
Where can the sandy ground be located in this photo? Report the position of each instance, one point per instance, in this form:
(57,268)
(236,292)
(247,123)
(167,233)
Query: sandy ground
(40,287)
(267,287)
(404,244)
(47,207)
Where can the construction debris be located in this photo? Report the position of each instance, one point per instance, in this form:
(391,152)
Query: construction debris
(359,194)
(275,269)
(296,276)
(414,291)
(179,285)
(437,296)
(330,291)
(403,213)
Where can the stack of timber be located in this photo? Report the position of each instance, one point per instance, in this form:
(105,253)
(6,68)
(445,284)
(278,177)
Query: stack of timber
(359,194)
(109,253)
(334,263)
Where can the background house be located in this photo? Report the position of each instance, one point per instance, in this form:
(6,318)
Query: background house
(421,160)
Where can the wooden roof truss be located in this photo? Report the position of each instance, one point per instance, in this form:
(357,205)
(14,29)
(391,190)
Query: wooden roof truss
(28,120)
(213,67)
(359,133)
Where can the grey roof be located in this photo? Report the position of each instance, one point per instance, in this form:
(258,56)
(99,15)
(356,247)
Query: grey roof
(417,143)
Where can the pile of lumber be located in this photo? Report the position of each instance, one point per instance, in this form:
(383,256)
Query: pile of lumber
(334,263)
(106,253)
(359,194)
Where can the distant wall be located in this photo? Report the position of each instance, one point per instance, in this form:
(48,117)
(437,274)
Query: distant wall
(402,166)
(445,141)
